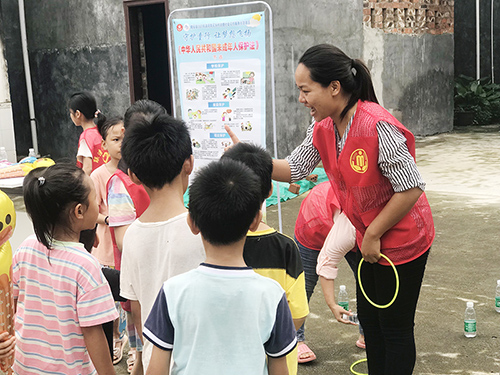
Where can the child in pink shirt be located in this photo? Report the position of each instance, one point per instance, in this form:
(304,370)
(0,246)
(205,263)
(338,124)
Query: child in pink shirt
(112,135)
(60,294)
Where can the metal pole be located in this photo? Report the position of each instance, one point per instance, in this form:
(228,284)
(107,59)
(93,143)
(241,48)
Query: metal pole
(492,46)
(27,72)
(478,45)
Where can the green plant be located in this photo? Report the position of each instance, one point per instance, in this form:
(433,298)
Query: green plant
(479,96)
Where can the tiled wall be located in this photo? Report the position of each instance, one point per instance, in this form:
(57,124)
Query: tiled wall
(7,131)
(410,16)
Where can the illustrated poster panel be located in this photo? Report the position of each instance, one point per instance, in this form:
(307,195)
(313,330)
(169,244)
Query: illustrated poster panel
(221,75)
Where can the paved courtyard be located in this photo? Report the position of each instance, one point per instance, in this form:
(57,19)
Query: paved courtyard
(462,171)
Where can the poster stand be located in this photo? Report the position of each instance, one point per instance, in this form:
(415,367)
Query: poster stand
(177,69)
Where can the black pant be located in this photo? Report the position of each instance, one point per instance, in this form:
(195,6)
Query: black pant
(389,335)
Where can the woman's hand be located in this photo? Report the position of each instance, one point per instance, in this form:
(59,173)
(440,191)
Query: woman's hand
(370,248)
(233,136)
(339,312)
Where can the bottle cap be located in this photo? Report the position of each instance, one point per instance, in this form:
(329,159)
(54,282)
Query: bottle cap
(342,287)
(470,304)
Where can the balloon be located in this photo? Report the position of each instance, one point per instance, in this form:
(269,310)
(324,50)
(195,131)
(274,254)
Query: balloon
(7,225)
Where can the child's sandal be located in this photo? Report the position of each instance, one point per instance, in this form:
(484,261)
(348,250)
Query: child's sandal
(118,347)
(132,356)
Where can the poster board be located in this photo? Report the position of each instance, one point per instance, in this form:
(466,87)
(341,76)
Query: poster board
(222,74)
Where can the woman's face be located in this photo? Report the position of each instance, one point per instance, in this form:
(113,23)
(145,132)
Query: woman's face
(321,100)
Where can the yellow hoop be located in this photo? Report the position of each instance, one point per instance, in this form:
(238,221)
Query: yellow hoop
(356,363)
(397,284)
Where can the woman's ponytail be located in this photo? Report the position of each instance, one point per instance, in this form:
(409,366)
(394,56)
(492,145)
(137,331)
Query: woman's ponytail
(363,89)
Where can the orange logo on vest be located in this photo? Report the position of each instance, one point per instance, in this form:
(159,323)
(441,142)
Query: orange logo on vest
(359,161)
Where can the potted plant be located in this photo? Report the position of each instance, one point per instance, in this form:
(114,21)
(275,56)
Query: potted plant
(476,101)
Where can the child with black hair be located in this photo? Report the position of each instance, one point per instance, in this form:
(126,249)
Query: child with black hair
(112,132)
(126,202)
(60,293)
(83,112)
(269,252)
(159,244)
(221,318)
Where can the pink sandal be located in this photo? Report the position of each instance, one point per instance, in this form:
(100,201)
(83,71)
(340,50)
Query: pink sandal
(303,349)
(360,344)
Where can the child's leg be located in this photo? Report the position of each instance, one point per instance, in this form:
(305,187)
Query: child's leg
(108,332)
(309,260)
(119,336)
(134,365)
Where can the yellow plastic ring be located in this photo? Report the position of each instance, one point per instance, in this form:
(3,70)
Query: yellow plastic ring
(356,363)
(397,283)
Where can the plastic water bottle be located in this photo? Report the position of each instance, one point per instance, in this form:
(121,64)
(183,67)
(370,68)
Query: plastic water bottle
(470,320)
(497,297)
(343,300)
(3,155)
(31,153)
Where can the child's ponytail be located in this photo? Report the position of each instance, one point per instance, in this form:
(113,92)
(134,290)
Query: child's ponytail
(99,119)
(49,196)
(85,103)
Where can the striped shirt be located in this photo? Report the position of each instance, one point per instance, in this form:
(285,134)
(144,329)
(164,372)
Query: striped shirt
(121,209)
(395,161)
(58,291)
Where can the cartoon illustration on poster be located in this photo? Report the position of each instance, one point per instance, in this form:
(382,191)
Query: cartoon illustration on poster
(221,74)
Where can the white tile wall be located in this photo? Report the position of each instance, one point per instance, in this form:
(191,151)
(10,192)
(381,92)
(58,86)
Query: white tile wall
(7,139)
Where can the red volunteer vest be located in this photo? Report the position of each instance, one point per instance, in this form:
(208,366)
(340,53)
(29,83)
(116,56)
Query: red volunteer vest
(94,142)
(315,217)
(363,191)
(141,203)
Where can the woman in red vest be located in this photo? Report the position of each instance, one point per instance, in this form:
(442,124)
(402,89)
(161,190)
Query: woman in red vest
(369,157)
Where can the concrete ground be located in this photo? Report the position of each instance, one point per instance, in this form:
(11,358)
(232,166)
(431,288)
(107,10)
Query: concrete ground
(462,172)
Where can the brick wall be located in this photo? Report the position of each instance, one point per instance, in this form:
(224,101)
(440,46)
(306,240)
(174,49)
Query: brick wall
(409,16)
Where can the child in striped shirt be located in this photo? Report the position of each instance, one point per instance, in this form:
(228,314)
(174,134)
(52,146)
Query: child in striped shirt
(60,294)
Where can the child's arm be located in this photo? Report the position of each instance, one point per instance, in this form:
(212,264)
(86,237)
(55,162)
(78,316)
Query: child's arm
(119,233)
(87,165)
(328,287)
(160,362)
(135,306)
(7,344)
(97,346)
(276,366)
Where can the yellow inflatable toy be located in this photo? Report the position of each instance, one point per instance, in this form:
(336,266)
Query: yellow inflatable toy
(7,225)
(43,162)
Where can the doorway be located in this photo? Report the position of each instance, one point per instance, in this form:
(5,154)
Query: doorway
(147,50)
